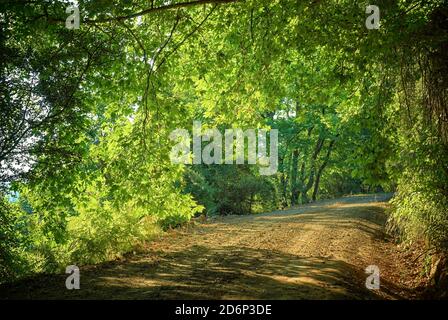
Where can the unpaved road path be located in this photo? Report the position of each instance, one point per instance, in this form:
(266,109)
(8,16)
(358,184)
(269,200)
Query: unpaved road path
(319,251)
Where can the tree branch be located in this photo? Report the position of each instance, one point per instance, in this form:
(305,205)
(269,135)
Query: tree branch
(150,10)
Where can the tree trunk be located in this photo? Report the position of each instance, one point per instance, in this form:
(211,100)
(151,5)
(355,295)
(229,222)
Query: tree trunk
(309,184)
(283,180)
(321,169)
(294,185)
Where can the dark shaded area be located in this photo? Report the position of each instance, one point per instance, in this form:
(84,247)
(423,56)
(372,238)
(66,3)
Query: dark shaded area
(207,271)
(199,273)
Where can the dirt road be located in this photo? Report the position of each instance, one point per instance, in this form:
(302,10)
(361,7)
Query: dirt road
(319,251)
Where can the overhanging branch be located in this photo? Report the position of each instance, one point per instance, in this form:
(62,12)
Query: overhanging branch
(151,10)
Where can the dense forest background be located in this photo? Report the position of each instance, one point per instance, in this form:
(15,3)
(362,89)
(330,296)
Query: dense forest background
(86,114)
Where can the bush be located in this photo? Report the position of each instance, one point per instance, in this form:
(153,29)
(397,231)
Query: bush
(14,241)
(230,190)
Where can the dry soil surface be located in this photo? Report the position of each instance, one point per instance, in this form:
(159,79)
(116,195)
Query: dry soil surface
(318,251)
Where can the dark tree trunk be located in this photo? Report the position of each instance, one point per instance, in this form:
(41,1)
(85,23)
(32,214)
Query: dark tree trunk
(321,169)
(283,183)
(294,185)
(311,177)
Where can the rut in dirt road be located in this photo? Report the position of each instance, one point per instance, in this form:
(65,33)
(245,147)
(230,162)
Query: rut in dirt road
(319,251)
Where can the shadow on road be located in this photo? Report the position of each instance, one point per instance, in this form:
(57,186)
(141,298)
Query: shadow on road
(201,273)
